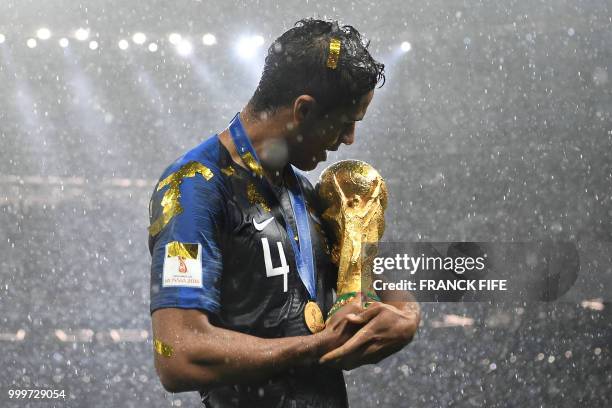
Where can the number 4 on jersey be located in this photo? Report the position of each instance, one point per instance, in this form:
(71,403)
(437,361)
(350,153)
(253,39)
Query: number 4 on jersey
(279,270)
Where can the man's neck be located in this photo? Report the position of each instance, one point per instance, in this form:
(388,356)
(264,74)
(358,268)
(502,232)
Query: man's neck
(260,131)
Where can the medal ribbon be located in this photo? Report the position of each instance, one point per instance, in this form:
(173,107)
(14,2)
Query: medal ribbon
(303,252)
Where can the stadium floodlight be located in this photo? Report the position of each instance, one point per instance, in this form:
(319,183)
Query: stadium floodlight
(209,39)
(82,34)
(175,38)
(43,33)
(247,46)
(139,38)
(184,48)
(258,40)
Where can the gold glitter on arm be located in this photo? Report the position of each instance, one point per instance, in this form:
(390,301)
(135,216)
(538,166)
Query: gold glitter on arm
(170,208)
(162,349)
(170,202)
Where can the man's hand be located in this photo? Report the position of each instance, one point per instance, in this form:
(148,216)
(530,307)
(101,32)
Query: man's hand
(387,328)
(341,327)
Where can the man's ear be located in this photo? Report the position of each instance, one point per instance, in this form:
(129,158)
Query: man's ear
(303,108)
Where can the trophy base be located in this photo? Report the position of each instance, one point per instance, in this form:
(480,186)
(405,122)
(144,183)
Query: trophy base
(364,298)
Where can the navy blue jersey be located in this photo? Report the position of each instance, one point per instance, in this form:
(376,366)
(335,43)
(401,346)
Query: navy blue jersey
(219,244)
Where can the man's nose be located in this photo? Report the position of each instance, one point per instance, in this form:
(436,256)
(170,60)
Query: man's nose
(348,137)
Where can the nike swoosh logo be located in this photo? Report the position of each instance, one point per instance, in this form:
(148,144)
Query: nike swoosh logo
(260,226)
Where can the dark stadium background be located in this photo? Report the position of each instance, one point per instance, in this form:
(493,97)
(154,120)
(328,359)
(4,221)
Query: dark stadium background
(495,124)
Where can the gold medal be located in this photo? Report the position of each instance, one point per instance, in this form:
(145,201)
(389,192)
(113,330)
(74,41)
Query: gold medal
(313,317)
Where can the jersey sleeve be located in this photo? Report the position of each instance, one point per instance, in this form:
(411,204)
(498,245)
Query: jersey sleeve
(187,219)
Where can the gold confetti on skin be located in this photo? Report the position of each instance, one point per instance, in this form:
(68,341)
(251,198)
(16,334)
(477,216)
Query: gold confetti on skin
(170,202)
(186,251)
(252,164)
(255,197)
(228,171)
(334,53)
(162,349)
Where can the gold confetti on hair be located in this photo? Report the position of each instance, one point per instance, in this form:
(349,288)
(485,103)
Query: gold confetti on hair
(334,53)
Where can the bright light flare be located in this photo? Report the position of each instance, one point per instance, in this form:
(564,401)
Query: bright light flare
(43,33)
(81,34)
(93,45)
(123,44)
(153,47)
(184,48)
(63,42)
(31,43)
(139,38)
(175,38)
(2,38)
(247,46)
(258,40)
(209,39)
(406,46)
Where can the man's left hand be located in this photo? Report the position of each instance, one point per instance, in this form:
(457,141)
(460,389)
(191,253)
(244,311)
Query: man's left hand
(386,329)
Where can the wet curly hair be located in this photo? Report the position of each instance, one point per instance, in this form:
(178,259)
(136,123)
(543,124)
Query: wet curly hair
(296,64)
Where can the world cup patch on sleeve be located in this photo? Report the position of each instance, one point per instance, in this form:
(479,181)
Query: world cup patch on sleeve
(182,265)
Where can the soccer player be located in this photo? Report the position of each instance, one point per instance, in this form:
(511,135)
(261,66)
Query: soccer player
(241,273)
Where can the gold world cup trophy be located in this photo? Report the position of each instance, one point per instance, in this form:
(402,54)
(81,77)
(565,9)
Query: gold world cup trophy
(354,198)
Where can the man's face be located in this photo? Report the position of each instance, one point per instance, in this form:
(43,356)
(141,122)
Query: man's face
(327,133)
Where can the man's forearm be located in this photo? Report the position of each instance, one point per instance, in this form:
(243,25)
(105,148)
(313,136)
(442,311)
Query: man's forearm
(228,357)
(205,356)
